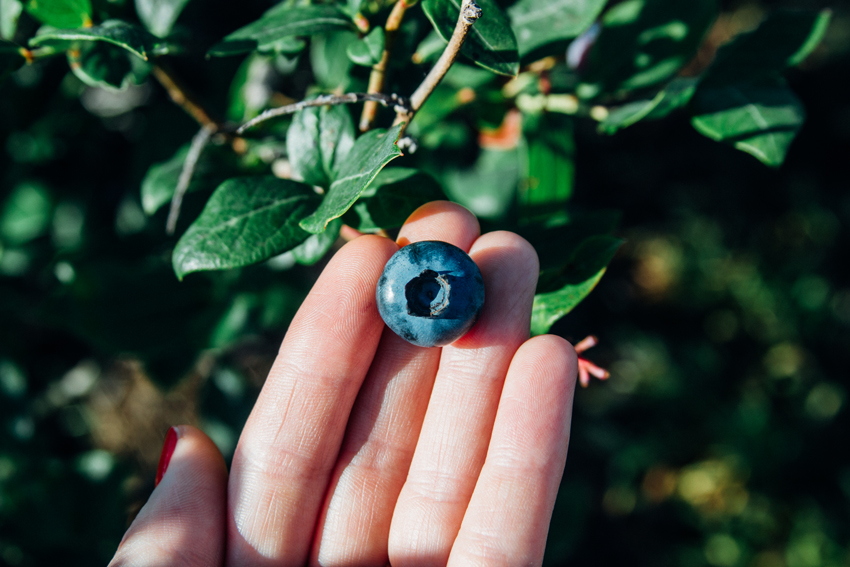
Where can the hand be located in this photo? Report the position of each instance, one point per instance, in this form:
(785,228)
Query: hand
(363,449)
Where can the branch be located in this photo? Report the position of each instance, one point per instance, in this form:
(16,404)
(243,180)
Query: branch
(398,103)
(469,13)
(379,71)
(197,146)
(182,98)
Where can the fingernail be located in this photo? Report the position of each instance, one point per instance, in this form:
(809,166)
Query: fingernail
(167,451)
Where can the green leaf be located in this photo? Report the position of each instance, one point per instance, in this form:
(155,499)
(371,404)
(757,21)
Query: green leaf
(10,10)
(549,307)
(367,51)
(329,61)
(100,64)
(317,142)
(490,43)
(117,32)
(394,194)
(11,58)
(280,22)
(592,254)
(159,16)
(61,13)
(26,213)
(488,188)
(556,244)
(549,171)
(537,23)
(677,94)
(370,153)
(761,120)
(215,165)
(784,39)
(317,245)
(247,220)
(644,43)
(560,290)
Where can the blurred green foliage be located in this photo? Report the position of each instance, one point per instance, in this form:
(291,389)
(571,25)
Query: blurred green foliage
(720,438)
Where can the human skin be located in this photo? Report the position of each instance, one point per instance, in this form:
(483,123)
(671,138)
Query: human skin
(363,449)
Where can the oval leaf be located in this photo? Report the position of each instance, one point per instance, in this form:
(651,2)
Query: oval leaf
(11,58)
(317,140)
(761,120)
(317,245)
(370,153)
(247,220)
(394,194)
(117,32)
(367,51)
(159,16)
(644,43)
(490,43)
(61,13)
(100,64)
(549,307)
(537,23)
(783,40)
(280,22)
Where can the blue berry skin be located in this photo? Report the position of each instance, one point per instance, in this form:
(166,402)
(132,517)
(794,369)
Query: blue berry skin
(430,293)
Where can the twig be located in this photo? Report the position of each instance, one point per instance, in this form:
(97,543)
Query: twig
(469,13)
(182,98)
(379,71)
(398,103)
(197,146)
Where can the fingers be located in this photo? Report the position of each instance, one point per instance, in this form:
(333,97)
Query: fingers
(385,422)
(508,516)
(460,415)
(183,522)
(290,443)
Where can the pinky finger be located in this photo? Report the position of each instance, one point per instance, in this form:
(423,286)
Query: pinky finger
(183,522)
(507,520)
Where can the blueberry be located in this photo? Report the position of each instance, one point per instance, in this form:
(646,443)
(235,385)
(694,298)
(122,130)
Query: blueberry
(430,293)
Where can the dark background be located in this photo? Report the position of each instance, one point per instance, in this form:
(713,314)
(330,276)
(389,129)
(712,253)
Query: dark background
(721,437)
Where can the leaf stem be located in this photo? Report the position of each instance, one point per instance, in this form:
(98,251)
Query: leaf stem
(379,71)
(197,146)
(398,103)
(182,98)
(469,13)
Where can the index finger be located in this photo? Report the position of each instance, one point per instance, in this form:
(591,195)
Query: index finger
(290,443)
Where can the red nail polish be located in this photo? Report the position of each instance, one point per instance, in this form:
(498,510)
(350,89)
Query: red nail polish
(167,451)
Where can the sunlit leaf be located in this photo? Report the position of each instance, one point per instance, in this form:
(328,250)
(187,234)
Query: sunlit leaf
(549,307)
(783,40)
(549,171)
(644,43)
(677,94)
(101,64)
(394,194)
(61,13)
(761,120)
(367,51)
(318,141)
(370,153)
(247,220)
(214,166)
(131,37)
(488,187)
(280,22)
(26,213)
(10,11)
(537,23)
(317,245)
(490,43)
(159,16)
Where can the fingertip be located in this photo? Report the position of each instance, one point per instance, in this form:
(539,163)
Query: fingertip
(441,220)
(183,521)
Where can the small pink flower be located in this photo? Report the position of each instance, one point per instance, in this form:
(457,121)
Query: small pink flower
(585,367)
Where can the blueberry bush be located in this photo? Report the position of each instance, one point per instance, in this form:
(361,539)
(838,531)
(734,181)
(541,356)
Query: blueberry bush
(175,173)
